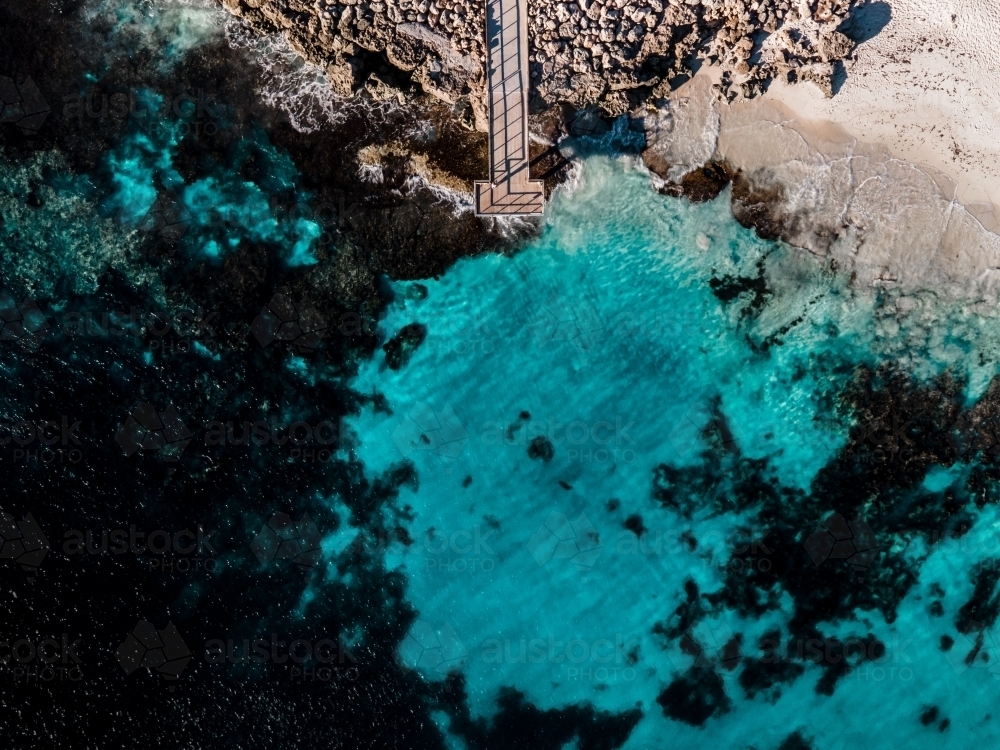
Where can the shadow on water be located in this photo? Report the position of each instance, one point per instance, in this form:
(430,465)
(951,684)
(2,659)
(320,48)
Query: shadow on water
(866,21)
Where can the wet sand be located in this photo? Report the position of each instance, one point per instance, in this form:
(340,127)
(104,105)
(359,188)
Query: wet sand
(897,176)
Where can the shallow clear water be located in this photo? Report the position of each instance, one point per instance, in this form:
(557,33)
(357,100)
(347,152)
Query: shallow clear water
(580,504)
(607,334)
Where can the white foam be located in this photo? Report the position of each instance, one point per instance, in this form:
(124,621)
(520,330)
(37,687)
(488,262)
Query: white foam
(461,202)
(684,132)
(289,83)
(925,87)
(371,173)
(167,28)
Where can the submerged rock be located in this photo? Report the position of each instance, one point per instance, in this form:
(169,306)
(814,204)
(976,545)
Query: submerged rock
(695,697)
(541,448)
(401,347)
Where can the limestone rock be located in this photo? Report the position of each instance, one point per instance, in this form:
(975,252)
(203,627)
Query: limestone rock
(606,52)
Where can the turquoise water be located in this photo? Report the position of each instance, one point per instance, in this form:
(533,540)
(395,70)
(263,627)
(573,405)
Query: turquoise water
(610,432)
(222,208)
(91,222)
(605,337)
(247,191)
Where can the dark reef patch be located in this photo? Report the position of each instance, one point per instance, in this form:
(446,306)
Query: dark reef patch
(774,668)
(695,697)
(540,448)
(160,327)
(634,524)
(730,288)
(401,347)
(699,185)
(795,741)
(519,725)
(983,606)
(871,502)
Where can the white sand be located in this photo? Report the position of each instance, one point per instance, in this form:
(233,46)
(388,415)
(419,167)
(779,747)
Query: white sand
(897,177)
(927,87)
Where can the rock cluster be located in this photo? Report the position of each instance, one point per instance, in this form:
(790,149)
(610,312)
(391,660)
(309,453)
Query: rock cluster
(612,53)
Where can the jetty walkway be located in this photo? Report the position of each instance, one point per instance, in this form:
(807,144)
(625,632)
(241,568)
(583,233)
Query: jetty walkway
(510,190)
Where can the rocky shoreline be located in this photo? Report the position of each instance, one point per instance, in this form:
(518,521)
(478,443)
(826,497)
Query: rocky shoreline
(615,54)
(700,85)
(591,62)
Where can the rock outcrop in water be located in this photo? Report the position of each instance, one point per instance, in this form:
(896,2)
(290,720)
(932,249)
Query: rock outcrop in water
(613,53)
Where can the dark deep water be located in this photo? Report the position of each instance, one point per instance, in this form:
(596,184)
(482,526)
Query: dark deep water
(279,472)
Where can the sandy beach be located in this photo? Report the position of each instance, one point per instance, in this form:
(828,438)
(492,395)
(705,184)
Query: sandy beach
(897,176)
(927,88)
